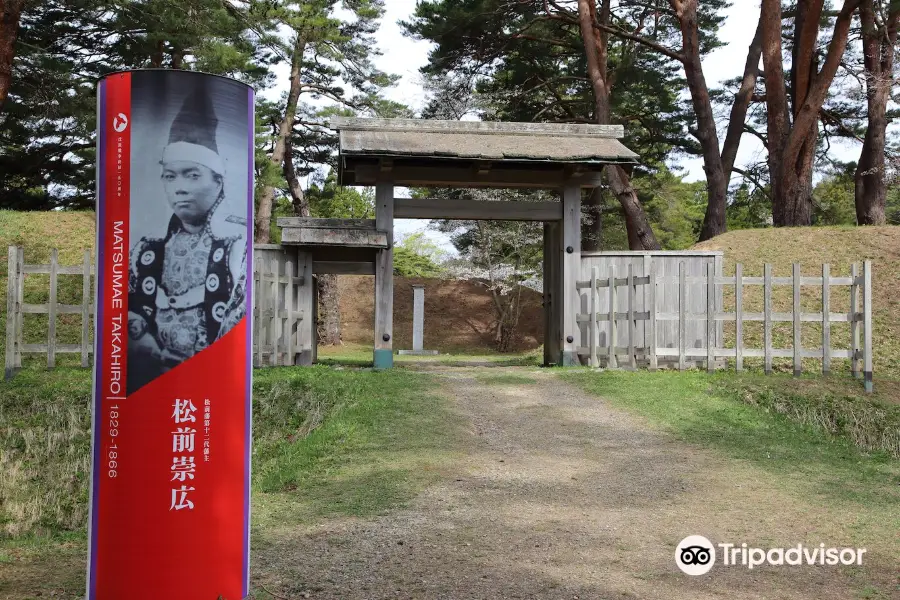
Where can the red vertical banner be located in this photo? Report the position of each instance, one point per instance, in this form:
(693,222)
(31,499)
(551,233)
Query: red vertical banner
(171,414)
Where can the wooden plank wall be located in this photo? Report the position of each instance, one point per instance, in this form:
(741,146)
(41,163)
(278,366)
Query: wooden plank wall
(667,331)
(282,279)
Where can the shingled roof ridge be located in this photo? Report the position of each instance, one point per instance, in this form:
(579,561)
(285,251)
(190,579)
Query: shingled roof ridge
(477,127)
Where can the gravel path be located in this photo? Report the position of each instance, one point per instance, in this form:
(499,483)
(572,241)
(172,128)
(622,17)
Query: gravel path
(559,496)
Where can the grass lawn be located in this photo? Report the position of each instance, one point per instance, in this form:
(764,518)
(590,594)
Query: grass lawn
(754,418)
(327,444)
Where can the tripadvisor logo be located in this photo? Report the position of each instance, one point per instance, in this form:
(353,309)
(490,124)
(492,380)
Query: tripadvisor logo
(696,555)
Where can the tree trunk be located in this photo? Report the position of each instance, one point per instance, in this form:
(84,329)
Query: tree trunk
(716,181)
(792,146)
(741,105)
(10,14)
(777,113)
(879,43)
(329,310)
(640,233)
(158,54)
(298,198)
(285,127)
(803,59)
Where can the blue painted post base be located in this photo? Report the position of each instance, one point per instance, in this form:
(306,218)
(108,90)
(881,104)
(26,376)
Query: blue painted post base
(384,359)
(568,359)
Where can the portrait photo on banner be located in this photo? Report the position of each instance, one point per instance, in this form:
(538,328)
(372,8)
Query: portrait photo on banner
(188,222)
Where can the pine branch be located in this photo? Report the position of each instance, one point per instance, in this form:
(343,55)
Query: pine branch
(640,40)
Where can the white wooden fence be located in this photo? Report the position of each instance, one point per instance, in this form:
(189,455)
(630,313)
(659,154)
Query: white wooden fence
(16,309)
(277,314)
(606,287)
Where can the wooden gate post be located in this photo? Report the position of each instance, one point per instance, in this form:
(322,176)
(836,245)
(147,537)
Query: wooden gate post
(305,304)
(571,267)
(384,277)
(552,293)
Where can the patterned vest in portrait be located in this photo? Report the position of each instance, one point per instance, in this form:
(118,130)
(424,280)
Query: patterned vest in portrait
(182,287)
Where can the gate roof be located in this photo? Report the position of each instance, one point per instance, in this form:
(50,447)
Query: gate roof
(419,152)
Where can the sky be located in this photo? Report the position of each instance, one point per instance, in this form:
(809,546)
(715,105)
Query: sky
(404,56)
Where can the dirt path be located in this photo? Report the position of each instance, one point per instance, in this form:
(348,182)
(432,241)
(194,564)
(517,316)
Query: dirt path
(560,496)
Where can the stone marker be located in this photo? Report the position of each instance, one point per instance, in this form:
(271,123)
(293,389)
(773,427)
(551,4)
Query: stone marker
(419,324)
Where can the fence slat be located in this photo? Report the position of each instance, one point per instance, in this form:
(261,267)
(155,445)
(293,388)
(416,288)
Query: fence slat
(276,319)
(798,350)
(645,280)
(867,324)
(11,314)
(20,300)
(632,325)
(826,319)
(739,316)
(51,330)
(710,317)
(289,309)
(592,326)
(682,309)
(611,361)
(260,305)
(854,324)
(719,263)
(767,317)
(651,309)
(86,310)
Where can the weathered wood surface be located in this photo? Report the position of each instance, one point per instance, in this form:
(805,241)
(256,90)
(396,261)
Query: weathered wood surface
(798,346)
(384,268)
(711,324)
(739,316)
(552,293)
(603,311)
(854,325)
(11,278)
(767,317)
(354,238)
(867,325)
(571,253)
(309,222)
(666,293)
(282,313)
(473,210)
(480,127)
(826,321)
(338,267)
(51,329)
(463,177)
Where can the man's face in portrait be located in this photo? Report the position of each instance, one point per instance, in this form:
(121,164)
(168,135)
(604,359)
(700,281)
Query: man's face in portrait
(191,188)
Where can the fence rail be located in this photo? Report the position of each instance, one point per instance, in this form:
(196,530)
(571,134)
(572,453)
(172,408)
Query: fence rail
(612,352)
(275,283)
